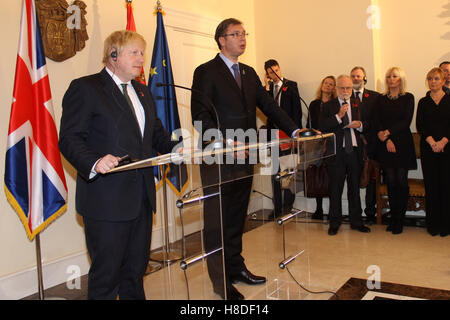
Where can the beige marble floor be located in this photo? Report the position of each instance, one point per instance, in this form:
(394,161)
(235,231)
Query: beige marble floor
(411,258)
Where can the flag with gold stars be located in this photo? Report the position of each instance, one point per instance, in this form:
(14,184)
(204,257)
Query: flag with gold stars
(166,102)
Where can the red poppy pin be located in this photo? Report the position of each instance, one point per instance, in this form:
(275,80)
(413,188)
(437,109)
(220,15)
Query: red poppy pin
(366,95)
(285,89)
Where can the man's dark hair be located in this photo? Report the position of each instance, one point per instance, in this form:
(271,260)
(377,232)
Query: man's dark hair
(270,63)
(444,62)
(222,28)
(359,68)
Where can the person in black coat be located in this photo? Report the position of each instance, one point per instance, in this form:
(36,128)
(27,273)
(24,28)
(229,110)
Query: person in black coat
(433,124)
(445,66)
(325,92)
(285,92)
(395,150)
(234,90)
(106,116)
(367,99)
(343,117)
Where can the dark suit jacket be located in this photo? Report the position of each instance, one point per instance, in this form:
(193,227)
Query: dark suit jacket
(96,121)
(289,102)
(368,104)
(236,108)
(329,123)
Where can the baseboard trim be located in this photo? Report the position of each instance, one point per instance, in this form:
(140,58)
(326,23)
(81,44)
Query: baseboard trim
(22,284)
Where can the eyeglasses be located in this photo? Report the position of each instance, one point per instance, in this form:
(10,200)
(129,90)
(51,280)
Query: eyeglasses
(236,34)
(345,88)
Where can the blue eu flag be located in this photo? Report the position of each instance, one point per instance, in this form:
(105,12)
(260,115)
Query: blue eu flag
(166,102)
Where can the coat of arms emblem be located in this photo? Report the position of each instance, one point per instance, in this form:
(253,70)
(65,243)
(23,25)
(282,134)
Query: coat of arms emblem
(63,27)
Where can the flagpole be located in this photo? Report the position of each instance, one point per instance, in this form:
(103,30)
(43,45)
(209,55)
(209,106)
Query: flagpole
(39,267)
(166,254)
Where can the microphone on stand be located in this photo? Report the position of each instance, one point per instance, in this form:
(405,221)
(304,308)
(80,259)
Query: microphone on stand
(308,132)
(213,107)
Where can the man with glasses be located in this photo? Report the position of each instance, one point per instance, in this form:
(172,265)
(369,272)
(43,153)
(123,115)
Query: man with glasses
(341,117)
(235,90)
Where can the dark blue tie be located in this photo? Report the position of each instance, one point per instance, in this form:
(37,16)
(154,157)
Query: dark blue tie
(237,75)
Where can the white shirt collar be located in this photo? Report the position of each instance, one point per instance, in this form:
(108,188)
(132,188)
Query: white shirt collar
(116,79)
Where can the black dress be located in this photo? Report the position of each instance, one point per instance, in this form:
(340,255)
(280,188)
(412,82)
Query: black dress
(315,109)
(434,120)
(395,115)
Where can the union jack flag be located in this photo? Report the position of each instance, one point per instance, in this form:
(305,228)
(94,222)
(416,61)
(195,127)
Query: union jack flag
(35,184)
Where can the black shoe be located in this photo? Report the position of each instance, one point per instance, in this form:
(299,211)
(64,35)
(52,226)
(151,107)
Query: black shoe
(389,228)
(318,215)
(332,231)
(247,277)
(232,293)
(361,228)
(444,234)
(433,233)
(371,220)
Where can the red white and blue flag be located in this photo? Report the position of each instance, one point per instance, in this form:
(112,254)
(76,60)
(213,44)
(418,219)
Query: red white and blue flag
(35,184)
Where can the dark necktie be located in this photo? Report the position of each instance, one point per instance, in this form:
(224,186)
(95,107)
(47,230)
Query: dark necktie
(358,99)
(276,93)
(237,75)
(347,133)
(127,97)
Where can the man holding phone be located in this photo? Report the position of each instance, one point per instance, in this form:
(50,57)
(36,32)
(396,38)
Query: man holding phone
(285,92)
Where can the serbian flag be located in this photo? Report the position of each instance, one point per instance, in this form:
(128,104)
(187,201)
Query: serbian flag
(131,26)
(35,184)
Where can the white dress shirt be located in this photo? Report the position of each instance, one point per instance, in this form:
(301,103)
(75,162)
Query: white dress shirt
(138,109)
(349,113)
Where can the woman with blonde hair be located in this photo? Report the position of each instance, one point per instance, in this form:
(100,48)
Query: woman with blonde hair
(393,114)
(325,92)
(433,124)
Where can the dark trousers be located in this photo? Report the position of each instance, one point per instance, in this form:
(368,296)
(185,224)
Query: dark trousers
(371,199)
(119,252)
(436,174)
(398,193)
(345,167)
(235,197)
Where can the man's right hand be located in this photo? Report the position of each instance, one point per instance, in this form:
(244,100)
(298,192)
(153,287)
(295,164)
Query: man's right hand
(343,110)
(106,163)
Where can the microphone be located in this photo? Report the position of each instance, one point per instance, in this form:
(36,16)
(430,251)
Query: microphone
(213,107)
(308,132)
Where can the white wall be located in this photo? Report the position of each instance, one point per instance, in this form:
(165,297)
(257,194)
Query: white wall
(63,242)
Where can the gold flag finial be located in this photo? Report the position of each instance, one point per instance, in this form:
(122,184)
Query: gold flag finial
(158,8)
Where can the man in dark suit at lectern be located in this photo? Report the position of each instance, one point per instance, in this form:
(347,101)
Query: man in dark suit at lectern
(342,117)
(235,91)
(285,93)
(107,116)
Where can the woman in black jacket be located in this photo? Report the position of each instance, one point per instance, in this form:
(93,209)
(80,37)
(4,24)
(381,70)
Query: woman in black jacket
(325,92)
(393,114)
(433,123)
